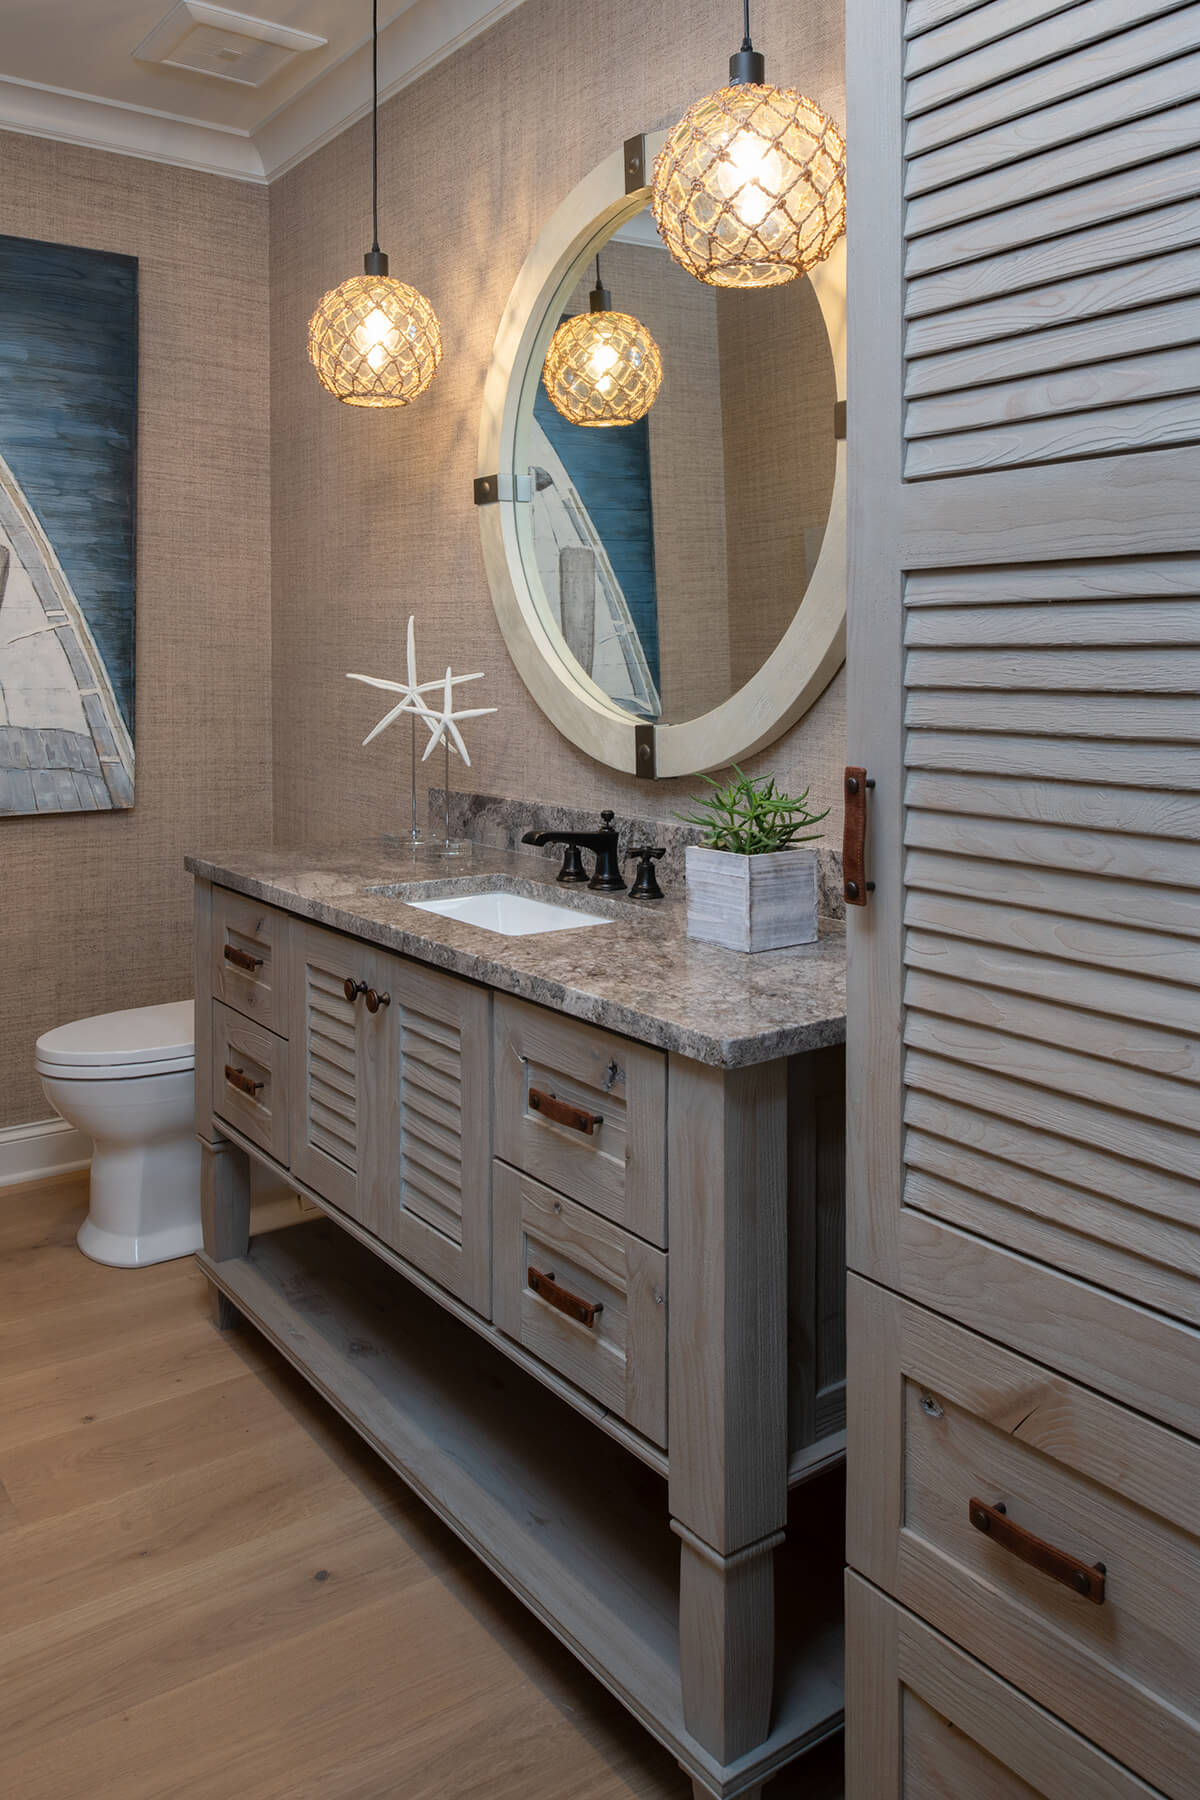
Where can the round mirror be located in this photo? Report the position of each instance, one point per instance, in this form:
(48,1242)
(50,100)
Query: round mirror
(666,556)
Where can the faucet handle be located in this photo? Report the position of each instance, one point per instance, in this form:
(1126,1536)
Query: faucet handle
(645,882)
(606,819)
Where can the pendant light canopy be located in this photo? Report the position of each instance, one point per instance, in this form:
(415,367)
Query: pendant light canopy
(602,367)
(375,341)
(750,187)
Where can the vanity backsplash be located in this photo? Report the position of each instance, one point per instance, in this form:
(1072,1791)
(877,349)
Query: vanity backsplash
(501,823)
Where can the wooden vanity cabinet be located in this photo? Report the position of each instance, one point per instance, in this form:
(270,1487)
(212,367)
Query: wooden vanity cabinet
(622,1380)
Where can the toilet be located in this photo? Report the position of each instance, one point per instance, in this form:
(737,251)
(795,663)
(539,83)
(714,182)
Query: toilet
(126,1079)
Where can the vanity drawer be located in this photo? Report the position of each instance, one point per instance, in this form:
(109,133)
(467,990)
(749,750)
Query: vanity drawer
(585,1296)
(998,1487)
(249,1074)
(249,958)
(926,1722)
(584,1110)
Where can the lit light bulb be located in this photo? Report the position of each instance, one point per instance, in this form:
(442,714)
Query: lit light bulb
(603,361)
(751,174)
(374,329)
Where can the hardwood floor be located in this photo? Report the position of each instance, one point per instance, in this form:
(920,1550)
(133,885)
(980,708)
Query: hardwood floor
(214,1591)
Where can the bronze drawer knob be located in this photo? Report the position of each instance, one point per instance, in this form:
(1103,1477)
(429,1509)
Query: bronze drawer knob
(352,989)
(375,1001)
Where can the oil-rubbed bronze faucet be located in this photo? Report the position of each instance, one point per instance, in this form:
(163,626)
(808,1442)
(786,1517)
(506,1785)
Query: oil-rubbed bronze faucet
(607,877)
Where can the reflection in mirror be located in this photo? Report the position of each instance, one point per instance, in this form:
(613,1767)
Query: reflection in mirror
(669,557)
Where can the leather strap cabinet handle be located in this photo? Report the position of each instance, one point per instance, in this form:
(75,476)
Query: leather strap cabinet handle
(578,1118)
(239,1079)
(1083,1578)
(242,959)
(546,1288)
(855,885)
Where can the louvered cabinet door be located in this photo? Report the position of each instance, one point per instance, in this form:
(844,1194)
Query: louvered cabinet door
(424,1184)
(1025,661)
(1023,1068)
(332,1050)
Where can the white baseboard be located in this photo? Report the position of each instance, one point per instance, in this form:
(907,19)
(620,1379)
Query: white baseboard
(43,1148)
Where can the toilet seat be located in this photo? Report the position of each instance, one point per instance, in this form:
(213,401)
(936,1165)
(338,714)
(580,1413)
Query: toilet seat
(117,1046)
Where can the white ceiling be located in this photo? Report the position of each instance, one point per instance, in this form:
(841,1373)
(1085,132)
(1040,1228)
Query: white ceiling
(67,70)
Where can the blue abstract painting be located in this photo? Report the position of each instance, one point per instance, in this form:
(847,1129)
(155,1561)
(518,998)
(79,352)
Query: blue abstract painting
(68,488)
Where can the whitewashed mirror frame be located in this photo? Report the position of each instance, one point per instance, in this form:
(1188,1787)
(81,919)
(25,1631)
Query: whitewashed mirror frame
(813,647)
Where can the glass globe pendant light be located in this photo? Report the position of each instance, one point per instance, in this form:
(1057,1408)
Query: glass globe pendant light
(602,367)
(375,341)
(750,187)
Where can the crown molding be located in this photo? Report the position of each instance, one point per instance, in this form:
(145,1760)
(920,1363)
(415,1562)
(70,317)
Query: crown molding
(423,35)
(71,118)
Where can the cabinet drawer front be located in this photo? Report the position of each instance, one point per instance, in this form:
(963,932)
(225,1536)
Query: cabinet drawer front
(583,1110)
(250,1080)
(585,1296)
(946,1429)
(249,958)
(926,1722)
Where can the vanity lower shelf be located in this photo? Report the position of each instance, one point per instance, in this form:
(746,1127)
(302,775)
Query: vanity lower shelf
(570,1521)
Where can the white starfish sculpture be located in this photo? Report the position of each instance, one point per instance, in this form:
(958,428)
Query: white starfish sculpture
(441,726)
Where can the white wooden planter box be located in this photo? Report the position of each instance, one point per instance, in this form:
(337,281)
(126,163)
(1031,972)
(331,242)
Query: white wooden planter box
(752,902)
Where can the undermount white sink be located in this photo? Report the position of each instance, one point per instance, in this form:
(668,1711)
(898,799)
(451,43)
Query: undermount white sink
(511,915)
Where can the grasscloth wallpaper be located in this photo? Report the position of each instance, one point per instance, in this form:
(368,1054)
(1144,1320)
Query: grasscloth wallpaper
(372,513)
(96,907)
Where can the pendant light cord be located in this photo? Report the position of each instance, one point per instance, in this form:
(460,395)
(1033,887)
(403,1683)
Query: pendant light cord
(375,123)
(746,43)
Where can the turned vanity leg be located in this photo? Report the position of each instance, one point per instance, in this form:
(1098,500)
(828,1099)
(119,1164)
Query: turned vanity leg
(225,1214)
(727,1131)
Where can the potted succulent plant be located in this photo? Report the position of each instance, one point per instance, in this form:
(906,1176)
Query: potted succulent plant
(749,885)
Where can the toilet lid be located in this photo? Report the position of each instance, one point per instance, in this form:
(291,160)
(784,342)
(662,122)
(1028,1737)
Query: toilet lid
(144,1035)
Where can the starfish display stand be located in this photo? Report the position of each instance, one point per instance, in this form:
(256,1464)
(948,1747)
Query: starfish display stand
(443,729)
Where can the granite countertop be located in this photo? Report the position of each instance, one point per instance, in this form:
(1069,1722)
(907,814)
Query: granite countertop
(643,977)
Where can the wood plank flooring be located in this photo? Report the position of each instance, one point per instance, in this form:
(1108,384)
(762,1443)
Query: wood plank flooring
(214,1591)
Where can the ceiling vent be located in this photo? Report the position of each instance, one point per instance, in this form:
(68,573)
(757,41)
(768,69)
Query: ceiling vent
(208,40)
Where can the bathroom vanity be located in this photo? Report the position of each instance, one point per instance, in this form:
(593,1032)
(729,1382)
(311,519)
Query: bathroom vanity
(579,1276)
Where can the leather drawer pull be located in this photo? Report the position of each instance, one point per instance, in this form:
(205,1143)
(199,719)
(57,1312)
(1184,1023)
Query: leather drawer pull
(855,886)
(1083,1578)
(563,1113)
(239,1079)
(546,1288)
(242,959)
